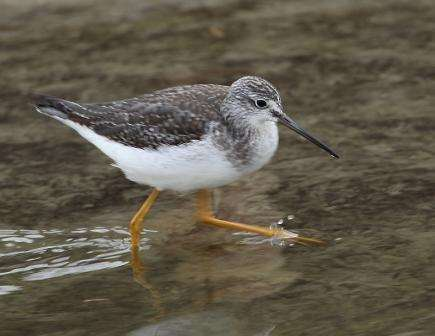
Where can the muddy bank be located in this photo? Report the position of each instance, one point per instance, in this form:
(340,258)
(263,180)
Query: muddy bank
(360,75)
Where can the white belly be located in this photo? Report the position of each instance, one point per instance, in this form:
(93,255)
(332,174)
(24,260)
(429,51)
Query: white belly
(182,168)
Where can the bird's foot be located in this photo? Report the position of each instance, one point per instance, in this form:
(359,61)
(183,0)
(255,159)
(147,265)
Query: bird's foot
(283,237)
(278,237)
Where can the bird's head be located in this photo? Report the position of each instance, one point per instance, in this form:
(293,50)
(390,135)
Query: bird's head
(255,101)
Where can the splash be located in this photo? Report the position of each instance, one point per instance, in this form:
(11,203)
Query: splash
(278,240)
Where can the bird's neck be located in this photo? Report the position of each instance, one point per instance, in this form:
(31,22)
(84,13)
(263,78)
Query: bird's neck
(240,128)
(248,146)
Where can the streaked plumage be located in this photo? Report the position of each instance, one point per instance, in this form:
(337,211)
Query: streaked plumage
(166,117)
(186,138)
(181,138)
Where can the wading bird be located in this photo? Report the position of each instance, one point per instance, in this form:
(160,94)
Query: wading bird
(186,138)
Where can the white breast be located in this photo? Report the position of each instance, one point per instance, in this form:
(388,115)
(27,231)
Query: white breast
(181,168)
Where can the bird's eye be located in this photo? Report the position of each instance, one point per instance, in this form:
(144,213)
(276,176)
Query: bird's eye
(261,103)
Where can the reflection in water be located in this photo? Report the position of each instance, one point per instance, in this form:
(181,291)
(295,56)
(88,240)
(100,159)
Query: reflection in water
(205,317)
(45,254)
(211,323)
(139,275)
(59,271)
(203,269)
(8,289)
(190,280)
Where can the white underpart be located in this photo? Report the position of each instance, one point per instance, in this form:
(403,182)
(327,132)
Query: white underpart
(193,166)
(181,168)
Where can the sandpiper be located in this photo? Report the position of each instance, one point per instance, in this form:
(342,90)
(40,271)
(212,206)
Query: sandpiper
(186,138)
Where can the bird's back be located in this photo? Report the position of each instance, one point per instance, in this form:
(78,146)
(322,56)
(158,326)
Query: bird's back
(167,117)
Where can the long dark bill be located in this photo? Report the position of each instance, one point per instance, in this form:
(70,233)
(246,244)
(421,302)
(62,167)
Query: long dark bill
(295,127)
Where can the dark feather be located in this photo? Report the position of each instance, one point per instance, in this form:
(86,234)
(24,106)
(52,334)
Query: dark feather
(170,117)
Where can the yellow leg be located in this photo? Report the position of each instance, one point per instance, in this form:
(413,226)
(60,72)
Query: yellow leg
(206,216)
(136,224)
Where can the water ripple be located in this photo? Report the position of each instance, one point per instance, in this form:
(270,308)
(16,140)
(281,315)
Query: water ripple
(32,255)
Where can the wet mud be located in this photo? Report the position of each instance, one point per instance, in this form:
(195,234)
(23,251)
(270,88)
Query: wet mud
(358,74)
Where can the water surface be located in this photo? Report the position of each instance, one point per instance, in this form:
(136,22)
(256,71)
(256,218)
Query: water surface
(359,75)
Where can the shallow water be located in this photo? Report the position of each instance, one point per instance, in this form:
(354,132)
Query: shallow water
(360,75)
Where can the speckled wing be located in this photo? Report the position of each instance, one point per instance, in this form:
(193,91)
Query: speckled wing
(167,117)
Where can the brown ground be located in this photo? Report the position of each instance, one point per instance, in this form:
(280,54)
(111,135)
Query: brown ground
(359,74)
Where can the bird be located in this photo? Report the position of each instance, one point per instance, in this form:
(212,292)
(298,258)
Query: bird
(189,138)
